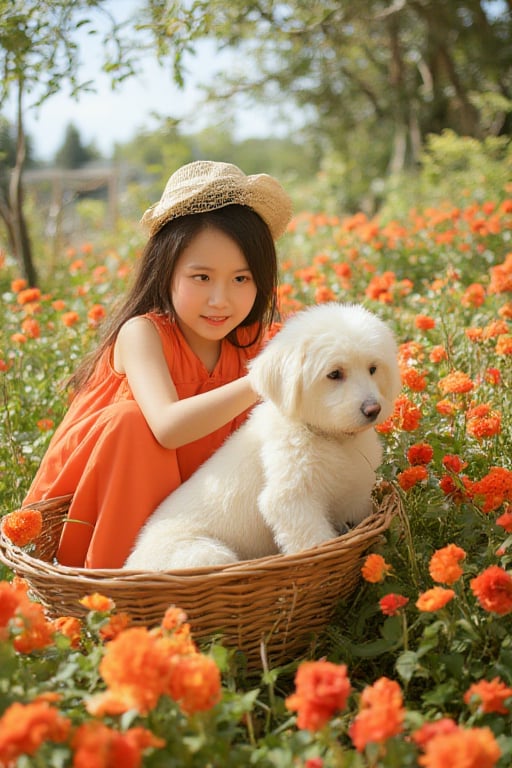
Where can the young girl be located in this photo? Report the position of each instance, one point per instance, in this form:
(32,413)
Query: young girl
(167,385)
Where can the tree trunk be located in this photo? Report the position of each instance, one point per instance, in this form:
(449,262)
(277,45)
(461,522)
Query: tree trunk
(21,240)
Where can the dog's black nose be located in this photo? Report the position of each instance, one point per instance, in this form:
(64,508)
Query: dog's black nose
(371,409)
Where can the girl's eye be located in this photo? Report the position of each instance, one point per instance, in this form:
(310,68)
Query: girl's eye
(372,369)
(201,278)
(336,374)
(242,278)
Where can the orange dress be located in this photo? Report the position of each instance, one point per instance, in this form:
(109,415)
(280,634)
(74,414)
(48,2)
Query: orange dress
(105,454)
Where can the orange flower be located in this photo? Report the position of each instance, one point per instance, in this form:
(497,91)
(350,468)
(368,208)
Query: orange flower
(406,416)
(31,328)
(29,295)
(505,520)
(22,526)
(70,318)
(504,344)
(413,379)
(375,569)
(70,627)
(489,696)
(33,629)
(381,714)
(456,382)
(472,748)
(321,689)
(484,426)
(434,599)
(493,376)
(473,296)
(420,453)
(195,683)
(437,354)
(493,489)
(411,477)
(444,564)
(24,727)
(97,602)
(44,425)
(114,626)
(428,731)
(18,284)
(136,669)
(424,323)
(95,744)
(493,589)
(96,314)
(391,604)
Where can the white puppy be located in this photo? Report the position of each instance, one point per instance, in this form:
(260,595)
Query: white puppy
(302,467)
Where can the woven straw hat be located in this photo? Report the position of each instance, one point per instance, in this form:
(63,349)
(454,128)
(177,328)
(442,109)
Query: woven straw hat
(206,185)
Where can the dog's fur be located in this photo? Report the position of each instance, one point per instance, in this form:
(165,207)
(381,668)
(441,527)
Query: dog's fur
(302,467)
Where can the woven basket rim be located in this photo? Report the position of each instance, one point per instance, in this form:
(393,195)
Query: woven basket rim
(377,522)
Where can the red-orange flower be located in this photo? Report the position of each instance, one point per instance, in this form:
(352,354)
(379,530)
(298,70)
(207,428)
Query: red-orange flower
(381,714)
(29,295)
(321,689)
(411,477)
(454,463)
(444,564)
(24,727)
(22,526)
(420,453)
(375,568)
(424,322)
(472,748)
(489,696)
(391,604)
(434,599)
(493,589)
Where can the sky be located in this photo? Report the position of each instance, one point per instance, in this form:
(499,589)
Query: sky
(107,117)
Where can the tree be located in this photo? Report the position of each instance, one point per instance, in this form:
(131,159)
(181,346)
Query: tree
(38,56)
(72,153)
(376,77)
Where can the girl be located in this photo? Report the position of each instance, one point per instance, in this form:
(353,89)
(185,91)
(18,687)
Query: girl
(167,385)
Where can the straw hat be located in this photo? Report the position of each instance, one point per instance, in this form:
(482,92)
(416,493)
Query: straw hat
(206,185)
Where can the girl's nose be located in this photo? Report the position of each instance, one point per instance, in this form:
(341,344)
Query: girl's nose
(218,296)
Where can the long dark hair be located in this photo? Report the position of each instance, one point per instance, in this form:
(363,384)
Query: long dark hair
(150,291)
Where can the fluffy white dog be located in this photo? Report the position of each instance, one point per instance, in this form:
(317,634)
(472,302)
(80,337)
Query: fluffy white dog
(302,467)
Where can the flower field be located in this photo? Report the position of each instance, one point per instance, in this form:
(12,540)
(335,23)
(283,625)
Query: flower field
(416,669)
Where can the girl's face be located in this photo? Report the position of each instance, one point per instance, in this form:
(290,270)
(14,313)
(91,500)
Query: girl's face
(212,289)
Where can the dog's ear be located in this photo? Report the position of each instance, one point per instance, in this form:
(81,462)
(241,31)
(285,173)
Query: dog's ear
(276,374)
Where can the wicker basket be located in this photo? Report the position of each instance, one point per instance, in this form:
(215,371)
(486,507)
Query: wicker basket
(282,601)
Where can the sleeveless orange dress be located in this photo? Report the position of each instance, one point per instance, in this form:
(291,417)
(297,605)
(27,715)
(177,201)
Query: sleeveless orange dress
(105,454)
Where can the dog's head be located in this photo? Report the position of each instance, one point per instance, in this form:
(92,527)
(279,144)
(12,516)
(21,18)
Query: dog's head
(332,366)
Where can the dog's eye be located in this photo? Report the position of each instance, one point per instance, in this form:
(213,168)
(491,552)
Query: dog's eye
(336,374)
(372,369)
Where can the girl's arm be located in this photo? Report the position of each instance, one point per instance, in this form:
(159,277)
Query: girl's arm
(138,353)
